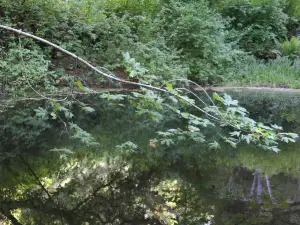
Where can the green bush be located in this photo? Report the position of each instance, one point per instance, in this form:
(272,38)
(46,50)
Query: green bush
(99,34)
(177,39)
(44,18)
(290,48)
(199,33)
(132,6)
(163,63)
(292,8)
(24,69)
(260,24)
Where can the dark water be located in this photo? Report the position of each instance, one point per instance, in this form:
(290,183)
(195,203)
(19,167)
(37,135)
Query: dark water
(105,184)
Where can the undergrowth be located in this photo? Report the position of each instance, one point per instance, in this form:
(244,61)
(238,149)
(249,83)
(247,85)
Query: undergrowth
(281,72)
(206,41)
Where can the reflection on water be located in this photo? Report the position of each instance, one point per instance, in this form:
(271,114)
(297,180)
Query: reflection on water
(135,183)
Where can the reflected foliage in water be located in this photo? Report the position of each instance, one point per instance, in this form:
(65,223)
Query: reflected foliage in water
(126,180)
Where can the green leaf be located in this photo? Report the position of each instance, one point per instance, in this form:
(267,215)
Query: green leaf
(56,105)
(126,56)
(167,142)
(276,127)
(80,85)
(68,114)
(217,97)
(169,86)
(193,128)
(287,139)
(228,101)
(81,135)
(185,115)
(40,112)
(235,133)
(127,147)
(248,138)
(173,99)
(88,109)
(214,146)
(53,115)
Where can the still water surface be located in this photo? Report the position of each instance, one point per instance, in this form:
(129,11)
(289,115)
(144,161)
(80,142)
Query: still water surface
(105,184)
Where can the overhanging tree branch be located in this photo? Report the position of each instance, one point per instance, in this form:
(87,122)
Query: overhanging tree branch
(109,76)
(228,117)
(20,32)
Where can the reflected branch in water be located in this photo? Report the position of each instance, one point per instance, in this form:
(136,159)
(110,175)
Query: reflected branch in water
(269,187)
(259,188)
(9,216)
(253,184)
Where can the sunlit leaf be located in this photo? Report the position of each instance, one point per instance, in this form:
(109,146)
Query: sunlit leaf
(217,97)
(88,109)
(214,145)
(169,86)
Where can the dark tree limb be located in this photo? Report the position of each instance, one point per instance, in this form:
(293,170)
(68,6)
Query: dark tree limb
(47,209)
(253,184)
(36,177)
(93,194)
(259,189)
(11,217)
(269,187)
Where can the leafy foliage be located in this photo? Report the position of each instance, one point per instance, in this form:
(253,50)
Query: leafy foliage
(292,8)
(249,130)
(290,48)
(22,69)
(199,33)
(66,156)
(259,26)
(281,72)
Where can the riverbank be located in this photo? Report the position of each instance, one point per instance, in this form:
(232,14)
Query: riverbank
(279,73)
(247,88)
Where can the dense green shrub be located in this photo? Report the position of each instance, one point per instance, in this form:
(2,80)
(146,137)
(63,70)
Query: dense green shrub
(199,33)
(182,38)
(290,48)
(171,39)
(132,6)
(22,70)
(259,25)
(162,63)
(103,41)
(292,8)
(49,19)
